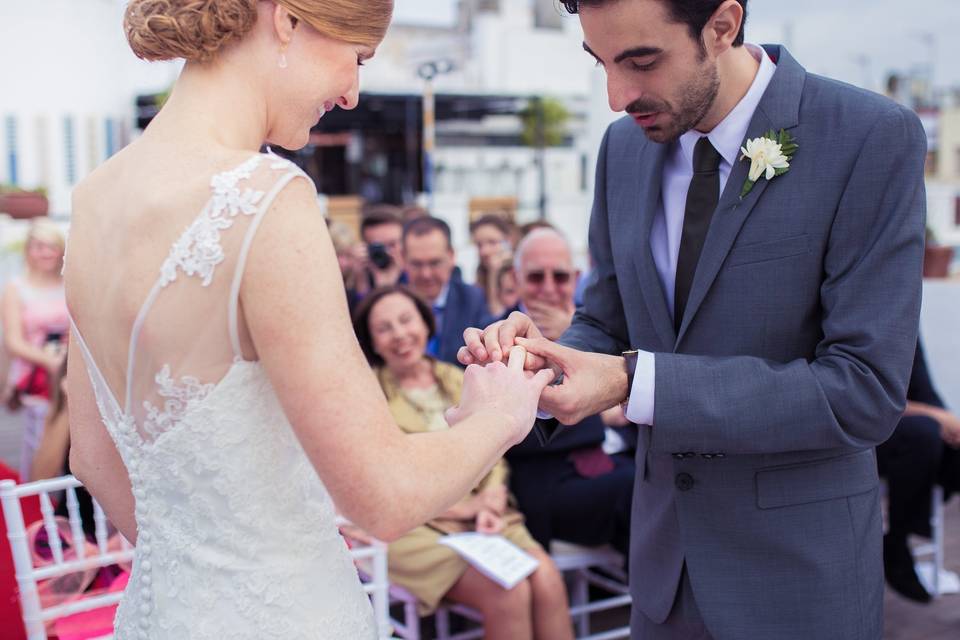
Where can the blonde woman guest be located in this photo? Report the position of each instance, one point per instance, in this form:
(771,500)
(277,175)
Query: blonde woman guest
(214,342)
(35,326)
(393,327)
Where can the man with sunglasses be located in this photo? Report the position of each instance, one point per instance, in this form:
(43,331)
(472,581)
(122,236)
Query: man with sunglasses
(579,487)
(546,279)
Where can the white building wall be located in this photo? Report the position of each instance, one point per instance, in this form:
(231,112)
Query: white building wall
(942,199)
(948,145)
(90,77)
(68,59)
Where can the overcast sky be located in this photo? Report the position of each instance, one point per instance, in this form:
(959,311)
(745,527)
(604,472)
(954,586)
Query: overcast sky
(854,40)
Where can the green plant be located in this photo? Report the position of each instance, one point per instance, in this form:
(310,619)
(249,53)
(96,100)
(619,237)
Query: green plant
(12,188)
(546,117)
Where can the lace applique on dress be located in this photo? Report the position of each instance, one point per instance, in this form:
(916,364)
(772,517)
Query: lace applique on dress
(198,251)
(180,398)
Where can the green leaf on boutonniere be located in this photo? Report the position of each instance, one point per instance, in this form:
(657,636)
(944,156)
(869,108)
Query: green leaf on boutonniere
(769,156)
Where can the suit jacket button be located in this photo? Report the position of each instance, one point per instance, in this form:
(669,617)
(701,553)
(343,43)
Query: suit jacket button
(706,456)
(689,454)
(719,455)
(684,481)
(678,456)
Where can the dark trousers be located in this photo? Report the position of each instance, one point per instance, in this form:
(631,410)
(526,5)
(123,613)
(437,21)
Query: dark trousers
(683,623)
(913,460)
(561,504)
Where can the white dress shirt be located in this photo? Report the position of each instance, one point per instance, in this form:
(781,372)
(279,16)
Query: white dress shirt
(727,138)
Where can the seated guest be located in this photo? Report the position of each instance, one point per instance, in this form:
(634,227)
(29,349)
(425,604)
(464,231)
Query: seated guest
(507,293)
(411,211)
(393,327)
(491,234)
(430,262)
(922,451)
(533,225)
(351,256)
(381,229)
(52,459)
(579,487)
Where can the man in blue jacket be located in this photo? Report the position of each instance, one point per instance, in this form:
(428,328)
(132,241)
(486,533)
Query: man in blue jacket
(431,267)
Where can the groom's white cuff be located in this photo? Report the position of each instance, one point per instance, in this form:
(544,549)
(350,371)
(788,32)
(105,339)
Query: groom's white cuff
(640,405)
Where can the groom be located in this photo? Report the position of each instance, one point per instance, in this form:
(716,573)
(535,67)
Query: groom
(773,312)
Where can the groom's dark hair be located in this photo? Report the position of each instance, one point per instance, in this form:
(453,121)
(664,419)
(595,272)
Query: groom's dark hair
(693,13)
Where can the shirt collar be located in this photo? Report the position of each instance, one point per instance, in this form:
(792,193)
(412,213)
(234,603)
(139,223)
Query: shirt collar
(441,301)
(728,136)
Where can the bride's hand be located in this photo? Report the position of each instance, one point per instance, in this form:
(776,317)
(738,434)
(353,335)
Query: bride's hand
(504,389)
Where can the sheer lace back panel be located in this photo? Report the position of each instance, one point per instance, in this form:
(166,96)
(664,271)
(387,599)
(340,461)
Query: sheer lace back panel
(225,496)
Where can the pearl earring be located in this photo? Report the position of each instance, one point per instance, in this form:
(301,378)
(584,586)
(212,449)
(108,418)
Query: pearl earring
(282,63)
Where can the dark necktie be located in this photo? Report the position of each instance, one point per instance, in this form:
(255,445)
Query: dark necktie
(702,199)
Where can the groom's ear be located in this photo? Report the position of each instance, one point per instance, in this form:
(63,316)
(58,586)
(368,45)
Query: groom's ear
(721,31)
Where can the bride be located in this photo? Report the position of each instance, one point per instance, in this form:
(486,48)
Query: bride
(225,411)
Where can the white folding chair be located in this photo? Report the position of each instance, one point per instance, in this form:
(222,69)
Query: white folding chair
(35,616)
(443,618)
(370,557)
(579,565)
(928,556)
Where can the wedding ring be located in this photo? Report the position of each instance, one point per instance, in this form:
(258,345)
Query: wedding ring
(518,356)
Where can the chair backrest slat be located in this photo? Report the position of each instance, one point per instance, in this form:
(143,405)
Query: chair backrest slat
(100,524)
(50,524)
(76,525)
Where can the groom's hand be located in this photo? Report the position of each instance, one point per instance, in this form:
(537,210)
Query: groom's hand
(483,346)
(592,382)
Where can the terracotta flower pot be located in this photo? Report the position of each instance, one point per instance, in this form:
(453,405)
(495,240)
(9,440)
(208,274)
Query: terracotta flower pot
(936,261)
(24,204)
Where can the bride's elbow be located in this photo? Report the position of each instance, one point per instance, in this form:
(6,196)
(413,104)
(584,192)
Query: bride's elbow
(386,518)
(390,533)
(383,527)
(79,467)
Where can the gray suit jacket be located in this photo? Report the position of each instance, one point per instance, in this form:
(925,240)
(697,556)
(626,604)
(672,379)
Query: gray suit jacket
(790,365)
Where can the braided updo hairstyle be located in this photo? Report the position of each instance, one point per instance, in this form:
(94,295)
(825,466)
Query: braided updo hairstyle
(196,30)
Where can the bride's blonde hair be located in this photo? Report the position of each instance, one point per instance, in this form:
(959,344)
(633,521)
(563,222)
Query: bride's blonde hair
(196,30)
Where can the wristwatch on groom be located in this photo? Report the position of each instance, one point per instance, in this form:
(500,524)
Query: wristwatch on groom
(630,362)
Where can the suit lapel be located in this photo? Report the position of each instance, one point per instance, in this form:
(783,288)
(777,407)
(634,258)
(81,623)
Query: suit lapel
(639,203)
(778,109)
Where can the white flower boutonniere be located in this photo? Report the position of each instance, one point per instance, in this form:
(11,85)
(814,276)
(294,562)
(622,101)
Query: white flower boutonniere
(769,155)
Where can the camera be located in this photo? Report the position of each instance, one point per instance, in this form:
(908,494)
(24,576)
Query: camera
(379,257)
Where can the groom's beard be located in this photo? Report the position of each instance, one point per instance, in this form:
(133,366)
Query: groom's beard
(696,99)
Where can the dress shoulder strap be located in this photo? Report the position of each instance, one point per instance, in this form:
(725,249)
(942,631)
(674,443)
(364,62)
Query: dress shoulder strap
(286,172)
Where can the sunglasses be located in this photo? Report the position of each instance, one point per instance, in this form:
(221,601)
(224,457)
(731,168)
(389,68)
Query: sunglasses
(540,276)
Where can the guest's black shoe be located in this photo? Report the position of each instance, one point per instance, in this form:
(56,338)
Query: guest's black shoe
(899,570)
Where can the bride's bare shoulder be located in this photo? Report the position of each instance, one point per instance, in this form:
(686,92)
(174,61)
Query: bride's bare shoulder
(97,180)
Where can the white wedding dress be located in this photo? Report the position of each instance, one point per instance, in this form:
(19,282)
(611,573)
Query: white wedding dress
(236,534)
